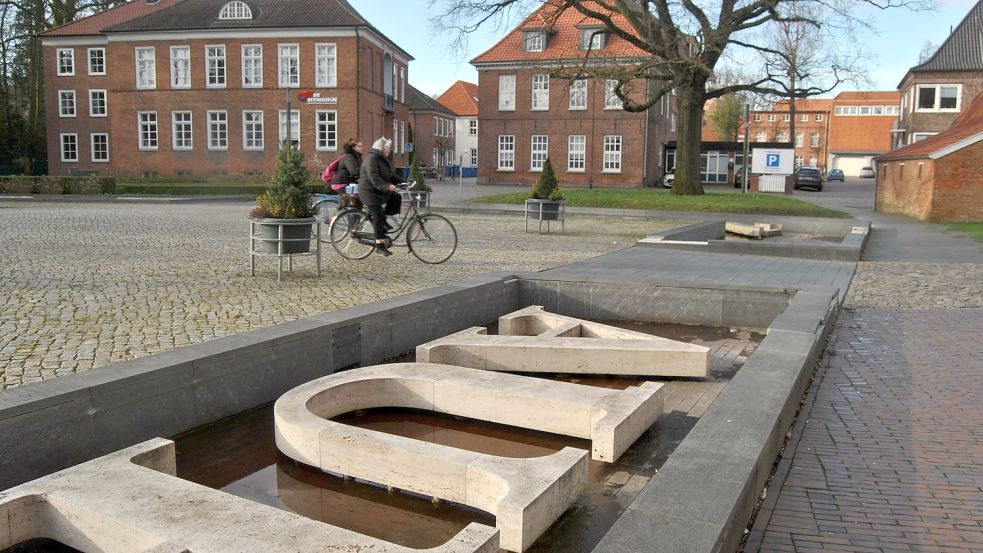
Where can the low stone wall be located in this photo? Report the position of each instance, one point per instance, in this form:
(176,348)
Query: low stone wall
(57,185)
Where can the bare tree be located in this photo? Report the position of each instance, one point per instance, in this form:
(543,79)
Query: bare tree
(687,39)
(928,48)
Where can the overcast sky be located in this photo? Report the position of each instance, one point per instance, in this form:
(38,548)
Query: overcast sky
(895,47)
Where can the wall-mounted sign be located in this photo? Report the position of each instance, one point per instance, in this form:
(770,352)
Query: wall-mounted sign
(776,162)
(311,97)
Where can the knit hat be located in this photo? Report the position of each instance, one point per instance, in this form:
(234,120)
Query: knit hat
(382,144)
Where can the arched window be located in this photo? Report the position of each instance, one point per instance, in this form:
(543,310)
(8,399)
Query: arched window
(235,10)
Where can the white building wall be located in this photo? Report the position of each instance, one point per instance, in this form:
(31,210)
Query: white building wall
(464,141)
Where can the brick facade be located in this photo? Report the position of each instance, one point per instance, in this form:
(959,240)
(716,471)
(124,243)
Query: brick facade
(949,188)
(358,106)
(814,129)
(915,121)
(641,135)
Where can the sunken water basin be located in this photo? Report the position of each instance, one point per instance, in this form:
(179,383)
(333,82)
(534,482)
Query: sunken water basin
(239,456)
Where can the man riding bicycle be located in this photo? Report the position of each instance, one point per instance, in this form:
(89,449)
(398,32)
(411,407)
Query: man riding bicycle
(377,187)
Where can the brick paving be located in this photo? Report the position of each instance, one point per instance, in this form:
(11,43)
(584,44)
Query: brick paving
(888,453)
(86,284)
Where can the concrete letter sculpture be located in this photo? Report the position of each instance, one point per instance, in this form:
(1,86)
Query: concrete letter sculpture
(525,495)
(534,341)
(130,502)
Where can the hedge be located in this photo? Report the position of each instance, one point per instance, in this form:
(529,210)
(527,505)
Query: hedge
(57,185)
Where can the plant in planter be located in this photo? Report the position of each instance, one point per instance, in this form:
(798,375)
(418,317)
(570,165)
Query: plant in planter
(546,197)
(286,206)
(419,190)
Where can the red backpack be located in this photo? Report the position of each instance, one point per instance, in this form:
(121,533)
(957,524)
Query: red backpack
(331,170)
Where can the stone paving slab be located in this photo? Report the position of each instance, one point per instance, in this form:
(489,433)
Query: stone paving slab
(84,284)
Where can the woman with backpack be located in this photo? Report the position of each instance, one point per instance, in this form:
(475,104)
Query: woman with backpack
(347,167)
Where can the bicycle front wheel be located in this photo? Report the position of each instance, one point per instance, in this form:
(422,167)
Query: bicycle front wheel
(432,238)
(347,234)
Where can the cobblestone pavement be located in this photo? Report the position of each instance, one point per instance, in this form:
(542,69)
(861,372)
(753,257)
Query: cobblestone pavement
(83,285)
(887,454)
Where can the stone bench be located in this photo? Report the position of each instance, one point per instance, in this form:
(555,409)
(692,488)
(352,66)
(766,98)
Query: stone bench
(525,495)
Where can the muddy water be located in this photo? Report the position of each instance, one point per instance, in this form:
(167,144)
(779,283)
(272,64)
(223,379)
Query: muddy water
(40,546)
(239,456)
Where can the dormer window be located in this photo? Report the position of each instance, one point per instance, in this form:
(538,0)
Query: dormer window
(535,41)
(593,38)
(235,10)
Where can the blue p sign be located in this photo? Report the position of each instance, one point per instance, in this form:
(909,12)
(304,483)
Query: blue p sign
(773,160)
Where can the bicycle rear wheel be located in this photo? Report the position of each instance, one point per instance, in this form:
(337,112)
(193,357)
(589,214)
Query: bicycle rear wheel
(432,238)
(346,231)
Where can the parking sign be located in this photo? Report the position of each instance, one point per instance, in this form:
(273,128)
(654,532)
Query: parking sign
(775,162)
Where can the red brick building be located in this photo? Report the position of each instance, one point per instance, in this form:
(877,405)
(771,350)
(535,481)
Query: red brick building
(935,92)
(200,87)
(462,99)
(433,129)
(860,129)
(812,129)
(939,177)
(525,116)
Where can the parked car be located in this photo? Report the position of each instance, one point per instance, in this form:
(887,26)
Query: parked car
(738,175)
(835,174)
(867,173)
(668,179)
(808,177)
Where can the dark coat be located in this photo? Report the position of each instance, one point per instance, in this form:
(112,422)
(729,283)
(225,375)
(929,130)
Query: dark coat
(376,176)
(349,168)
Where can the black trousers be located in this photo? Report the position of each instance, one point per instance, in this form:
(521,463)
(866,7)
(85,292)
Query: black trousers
(378,220)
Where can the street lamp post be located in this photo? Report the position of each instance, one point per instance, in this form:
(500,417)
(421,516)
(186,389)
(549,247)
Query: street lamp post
(747,133)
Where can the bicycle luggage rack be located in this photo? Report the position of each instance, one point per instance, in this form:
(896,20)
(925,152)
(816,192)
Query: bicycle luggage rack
(280,241)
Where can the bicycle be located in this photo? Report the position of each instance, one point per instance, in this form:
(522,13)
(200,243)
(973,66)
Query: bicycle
(430,238)
(329,206)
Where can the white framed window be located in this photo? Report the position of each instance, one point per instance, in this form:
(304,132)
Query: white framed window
(327,64)
(799,139)
(919,136)
(252,66)
(798,161)
(218,130)
(814,140)
(506,152)
(820,117)
(787,117)
(327,130)
(235,10)
(672,122)
(294,128)
(612,154)
(97,103)
(181,133)
(66,103)
(97,61)
(99,146)
(66,62)
(472,127)
(576,153)
(804,118)
(782,136)
(69,147)
(289,64)
(865,110)
(761,136)
(474,157)
(938,97)
(147,129)
(535,41)
(540,151)
(771,117)
(541,92)
(892,110)
(252,130)
(756,117)
(146,68)
(436,126)
(877,110)
(180,67)
(506,92)
(578,94)
(611,100)
(402,84)
(215,66)
(593,38)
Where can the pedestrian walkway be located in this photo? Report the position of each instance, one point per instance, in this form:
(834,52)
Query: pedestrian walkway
(887,453)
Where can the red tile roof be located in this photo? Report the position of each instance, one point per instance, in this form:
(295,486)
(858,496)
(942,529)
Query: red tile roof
(563,43)
(95,24)
(968,124)
(461,98)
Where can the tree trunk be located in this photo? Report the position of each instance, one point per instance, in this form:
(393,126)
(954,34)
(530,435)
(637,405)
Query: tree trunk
(689,130)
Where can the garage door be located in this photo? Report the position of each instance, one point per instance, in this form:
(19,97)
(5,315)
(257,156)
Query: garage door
(851,164)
